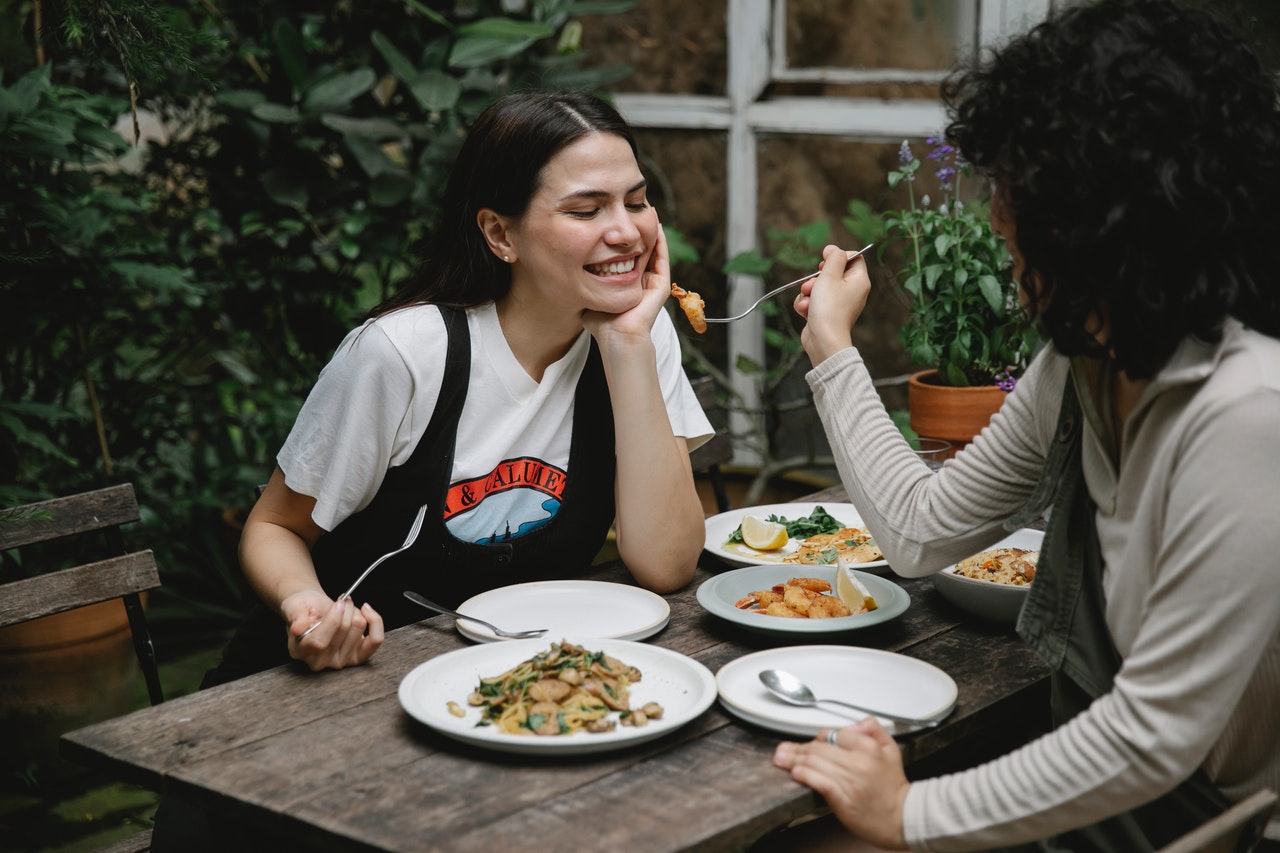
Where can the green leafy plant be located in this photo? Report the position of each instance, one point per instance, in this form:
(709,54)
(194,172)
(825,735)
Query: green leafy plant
(166,312)
(964,318)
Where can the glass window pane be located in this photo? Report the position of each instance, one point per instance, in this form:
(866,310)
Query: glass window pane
(672,52)
(915,34)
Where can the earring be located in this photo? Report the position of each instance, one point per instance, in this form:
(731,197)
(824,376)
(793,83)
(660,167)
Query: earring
(506,258)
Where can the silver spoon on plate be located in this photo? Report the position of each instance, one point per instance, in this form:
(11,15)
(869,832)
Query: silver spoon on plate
(791,689)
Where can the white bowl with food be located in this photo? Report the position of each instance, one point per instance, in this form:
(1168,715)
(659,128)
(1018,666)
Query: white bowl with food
(994,583)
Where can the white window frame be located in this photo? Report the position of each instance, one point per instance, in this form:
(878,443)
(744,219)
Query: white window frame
(755,32)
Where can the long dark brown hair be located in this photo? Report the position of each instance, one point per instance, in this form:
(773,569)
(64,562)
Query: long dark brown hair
(499,167)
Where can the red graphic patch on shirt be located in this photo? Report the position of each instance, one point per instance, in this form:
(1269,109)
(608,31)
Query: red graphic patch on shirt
(523,473)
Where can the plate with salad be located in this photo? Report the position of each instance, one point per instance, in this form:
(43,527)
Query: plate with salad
(796,533)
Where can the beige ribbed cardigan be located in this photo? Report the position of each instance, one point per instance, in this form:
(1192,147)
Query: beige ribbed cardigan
(1190,533)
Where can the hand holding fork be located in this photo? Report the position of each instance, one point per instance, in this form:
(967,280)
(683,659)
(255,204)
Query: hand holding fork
(414,530)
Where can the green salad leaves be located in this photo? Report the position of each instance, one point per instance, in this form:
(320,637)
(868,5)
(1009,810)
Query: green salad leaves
(818,521)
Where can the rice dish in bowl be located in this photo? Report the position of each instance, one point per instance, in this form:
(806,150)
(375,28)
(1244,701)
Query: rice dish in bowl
(994,583)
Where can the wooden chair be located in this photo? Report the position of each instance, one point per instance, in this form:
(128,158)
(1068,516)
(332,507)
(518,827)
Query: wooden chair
(1236,830)
(719,448)
(122,575)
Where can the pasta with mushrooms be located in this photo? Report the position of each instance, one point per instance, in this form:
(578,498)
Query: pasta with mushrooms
(563,690)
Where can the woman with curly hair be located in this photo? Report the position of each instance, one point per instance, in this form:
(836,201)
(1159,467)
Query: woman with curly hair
(1134,149)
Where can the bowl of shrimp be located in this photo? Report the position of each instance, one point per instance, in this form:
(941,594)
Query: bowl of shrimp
(800,599)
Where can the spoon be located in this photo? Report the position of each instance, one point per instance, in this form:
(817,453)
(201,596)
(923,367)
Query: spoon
(431,605)
(787,687)
(772,293)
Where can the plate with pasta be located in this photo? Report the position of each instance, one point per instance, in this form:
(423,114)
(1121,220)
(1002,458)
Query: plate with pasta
(816,535)
(547,697)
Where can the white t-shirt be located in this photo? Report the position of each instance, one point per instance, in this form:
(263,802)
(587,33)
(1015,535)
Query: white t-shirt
(374,400)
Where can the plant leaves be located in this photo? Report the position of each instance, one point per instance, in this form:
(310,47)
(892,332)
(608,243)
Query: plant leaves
(435,90)
(369,155)
(275,113)
(390,188)
(678,247)
(293,56)
(372,128)
(991,289)
(240,99)
(24,96)
(336,93)
(749,262)
(490,39)
(283,187)
(396,61)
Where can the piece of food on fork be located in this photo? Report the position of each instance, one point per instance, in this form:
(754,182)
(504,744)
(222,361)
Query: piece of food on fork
(693,307)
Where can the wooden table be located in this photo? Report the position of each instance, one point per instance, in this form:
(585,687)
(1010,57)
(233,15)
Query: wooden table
(332,761)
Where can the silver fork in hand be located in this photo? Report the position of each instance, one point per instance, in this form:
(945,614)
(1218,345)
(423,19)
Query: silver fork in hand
(408,540)
(777,290)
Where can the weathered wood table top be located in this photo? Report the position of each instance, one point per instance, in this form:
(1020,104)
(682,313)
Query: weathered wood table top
(332,761)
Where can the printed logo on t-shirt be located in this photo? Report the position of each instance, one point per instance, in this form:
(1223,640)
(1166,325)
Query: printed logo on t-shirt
(517,497)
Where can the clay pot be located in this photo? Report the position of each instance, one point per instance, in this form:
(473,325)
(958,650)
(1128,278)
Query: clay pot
(62,672)
(946,412)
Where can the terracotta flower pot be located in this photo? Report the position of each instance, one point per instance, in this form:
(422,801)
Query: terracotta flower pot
(946,412)
(61,672)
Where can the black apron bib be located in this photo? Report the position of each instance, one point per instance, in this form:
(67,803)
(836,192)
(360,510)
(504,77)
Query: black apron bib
(442,567)
(1064,622)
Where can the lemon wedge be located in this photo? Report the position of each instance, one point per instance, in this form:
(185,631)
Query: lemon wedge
(852,591)
(763,535)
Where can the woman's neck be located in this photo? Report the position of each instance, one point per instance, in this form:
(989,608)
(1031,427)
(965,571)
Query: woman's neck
(538,339)
(1125,393)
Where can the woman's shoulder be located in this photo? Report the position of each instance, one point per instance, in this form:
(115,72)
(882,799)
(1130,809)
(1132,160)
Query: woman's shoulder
(407,334)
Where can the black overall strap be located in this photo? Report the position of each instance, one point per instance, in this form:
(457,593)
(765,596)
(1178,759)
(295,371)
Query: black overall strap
(1064,622)
(441,566)
(444,568)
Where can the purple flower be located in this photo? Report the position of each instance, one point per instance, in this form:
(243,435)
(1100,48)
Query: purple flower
(1006,381)
(904,153)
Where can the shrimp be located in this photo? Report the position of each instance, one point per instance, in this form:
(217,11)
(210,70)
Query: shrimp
(760,599)
(692,305)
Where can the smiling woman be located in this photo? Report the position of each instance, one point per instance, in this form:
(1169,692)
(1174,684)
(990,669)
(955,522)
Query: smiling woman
(526,385)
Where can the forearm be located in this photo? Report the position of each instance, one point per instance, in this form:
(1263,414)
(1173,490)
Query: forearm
(276,562)
(924,521)
(659,516)
(275,547)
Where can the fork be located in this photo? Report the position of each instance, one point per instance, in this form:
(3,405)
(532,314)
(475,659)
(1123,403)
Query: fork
(414,530)
(776,291)
(431,605)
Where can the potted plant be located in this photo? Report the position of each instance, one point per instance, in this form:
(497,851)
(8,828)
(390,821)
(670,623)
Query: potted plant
(964,322)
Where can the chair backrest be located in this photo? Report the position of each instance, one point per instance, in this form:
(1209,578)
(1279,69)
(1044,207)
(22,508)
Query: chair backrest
(122,575)
(718,450)
(1236,829)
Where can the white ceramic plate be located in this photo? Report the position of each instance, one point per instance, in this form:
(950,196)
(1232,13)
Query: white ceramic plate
(886,681)
(682,686)
(720,527)
(717,595)
(566,608)
(995,601)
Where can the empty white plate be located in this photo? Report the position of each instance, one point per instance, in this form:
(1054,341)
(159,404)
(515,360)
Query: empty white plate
(566,609)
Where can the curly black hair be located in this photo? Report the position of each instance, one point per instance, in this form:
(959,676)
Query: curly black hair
(1137,143)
